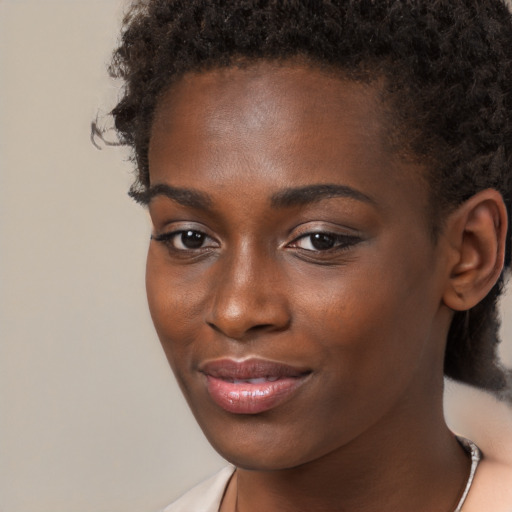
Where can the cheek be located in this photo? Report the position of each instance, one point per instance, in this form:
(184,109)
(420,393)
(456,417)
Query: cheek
(372,323)
(176,302)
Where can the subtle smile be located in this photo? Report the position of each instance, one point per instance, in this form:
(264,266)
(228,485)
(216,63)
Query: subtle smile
(251,386)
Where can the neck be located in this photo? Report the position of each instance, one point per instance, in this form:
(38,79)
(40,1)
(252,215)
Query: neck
(395,465)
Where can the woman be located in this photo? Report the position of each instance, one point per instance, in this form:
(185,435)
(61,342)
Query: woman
(328,184)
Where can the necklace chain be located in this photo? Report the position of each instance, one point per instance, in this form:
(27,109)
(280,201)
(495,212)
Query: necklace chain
(475,454)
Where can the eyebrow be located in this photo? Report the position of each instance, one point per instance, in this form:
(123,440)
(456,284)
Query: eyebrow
(286,198)
(183,196)
(312,193)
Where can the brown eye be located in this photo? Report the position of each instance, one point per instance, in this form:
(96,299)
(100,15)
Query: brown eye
(322,241)
(189,240)
(186,240)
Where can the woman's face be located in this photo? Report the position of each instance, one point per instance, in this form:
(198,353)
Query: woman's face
(291,277)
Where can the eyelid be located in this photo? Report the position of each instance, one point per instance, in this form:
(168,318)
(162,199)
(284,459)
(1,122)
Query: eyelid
(170,238)
(341,241)
(311,228)
(345,236)
(178,226)
(172,230)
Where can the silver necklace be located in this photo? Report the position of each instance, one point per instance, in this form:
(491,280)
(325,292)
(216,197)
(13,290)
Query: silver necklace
(475,453)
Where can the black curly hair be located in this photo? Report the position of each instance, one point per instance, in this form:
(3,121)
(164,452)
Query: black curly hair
(447,69)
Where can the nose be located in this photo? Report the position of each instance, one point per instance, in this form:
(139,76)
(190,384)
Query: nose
(248,297)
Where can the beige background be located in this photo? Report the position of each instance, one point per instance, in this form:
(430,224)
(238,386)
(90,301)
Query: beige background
(90,416)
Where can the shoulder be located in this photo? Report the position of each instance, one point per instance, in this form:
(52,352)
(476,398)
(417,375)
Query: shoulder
(488,422)
(492,488)
(204,497)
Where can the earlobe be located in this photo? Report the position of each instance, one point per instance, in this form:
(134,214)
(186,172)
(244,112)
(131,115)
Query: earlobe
(477,231)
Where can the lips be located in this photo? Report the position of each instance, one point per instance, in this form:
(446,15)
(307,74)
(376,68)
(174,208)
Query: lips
(251,386)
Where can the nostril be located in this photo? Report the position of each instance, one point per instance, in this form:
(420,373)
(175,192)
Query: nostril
(213,326)
(260,327)
(239,332)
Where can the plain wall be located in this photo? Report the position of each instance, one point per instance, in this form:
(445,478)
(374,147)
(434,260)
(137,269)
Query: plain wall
(91,419)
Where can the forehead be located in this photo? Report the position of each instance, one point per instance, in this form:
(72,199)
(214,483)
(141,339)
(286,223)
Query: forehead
(277,123)
(270,97)
(304,89)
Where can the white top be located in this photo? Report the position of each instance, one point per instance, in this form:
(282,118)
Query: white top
(204,497)
(207,496)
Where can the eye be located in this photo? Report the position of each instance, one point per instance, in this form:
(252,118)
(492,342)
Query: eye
(323,241)
(186,240)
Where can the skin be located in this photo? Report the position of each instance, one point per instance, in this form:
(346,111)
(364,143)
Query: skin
(368,318)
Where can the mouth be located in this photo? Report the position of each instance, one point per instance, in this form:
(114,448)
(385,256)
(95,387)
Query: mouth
(251,386)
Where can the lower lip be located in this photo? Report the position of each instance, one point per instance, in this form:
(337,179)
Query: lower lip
(247,398)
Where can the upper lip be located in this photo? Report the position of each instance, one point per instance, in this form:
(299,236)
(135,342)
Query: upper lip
(252,368)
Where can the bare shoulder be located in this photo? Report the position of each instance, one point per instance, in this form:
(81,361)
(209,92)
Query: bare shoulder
(492,488)
(488,422)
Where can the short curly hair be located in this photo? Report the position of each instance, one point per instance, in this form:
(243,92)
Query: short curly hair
(447,69)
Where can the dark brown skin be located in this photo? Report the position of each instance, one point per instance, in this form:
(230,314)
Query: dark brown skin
(369,317)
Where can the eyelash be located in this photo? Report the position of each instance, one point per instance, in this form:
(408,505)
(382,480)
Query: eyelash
(169,238)
(339,242)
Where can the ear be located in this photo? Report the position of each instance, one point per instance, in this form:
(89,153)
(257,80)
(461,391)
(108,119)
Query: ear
(476,233)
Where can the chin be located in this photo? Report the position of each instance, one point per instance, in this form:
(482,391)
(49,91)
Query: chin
(254,443)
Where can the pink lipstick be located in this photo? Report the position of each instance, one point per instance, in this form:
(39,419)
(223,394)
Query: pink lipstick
(251,386)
